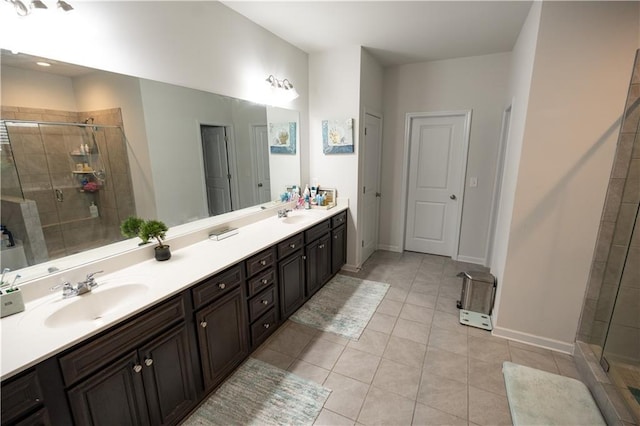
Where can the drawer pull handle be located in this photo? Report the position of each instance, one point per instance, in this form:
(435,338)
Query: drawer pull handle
(137,368)
(222,286)
(266,325)
(292,245)
(264,302)
(264,281)
(263,262)
(203,324)
(148,362)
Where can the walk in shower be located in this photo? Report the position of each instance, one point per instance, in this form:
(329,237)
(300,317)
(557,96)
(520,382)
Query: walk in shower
(610,323)
(65,188)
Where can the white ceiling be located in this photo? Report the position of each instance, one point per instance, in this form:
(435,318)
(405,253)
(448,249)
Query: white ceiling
(395,32)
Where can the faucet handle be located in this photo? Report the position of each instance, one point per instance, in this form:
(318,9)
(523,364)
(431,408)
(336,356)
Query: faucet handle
(90,281)
(67,289)
(91,274)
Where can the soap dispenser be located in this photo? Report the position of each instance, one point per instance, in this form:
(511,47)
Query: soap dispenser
(93,210)
(307,197)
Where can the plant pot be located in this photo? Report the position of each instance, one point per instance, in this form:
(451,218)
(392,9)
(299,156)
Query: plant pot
(163,253)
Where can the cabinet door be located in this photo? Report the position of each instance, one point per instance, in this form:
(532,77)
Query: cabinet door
(318,262)
(291,280)
(168,376)
(222,337)
(338,248)
(114,396)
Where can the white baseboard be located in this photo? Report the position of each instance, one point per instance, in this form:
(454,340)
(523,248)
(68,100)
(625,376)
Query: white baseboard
(389,248)
(350,268)
(469,259)
(530,339)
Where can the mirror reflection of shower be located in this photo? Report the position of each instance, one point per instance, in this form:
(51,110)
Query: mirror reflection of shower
(66,187)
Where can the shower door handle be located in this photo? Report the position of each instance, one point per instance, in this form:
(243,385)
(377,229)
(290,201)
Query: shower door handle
(59,195)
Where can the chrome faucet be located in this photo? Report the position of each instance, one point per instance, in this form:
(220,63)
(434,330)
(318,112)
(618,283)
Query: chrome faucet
(82,287)
(283,212)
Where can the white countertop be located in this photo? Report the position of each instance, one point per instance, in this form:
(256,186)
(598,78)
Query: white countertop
(26,340)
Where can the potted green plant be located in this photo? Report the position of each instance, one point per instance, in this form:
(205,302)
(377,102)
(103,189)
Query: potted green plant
(147,230)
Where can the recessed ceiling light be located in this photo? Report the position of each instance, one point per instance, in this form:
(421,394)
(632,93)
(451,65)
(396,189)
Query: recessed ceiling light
(43,64)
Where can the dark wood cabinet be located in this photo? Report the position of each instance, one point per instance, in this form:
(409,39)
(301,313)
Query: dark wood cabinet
(151,385)
(338,248)
(222,336)
(20,397)
(318,262)
(291,282)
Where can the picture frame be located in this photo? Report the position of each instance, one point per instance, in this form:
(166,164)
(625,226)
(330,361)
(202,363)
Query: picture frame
(282,138)
(337,136)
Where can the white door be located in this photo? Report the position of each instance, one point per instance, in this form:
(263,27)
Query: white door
(261,145)
(216,169)
(437,160)
(371,152)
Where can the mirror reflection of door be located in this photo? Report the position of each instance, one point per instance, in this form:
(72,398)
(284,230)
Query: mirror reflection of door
(263,181)
(216,169)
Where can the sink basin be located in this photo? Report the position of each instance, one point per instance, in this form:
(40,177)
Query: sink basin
(95,305)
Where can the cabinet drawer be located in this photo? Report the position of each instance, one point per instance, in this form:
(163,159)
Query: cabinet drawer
(216,286)
(262,303)
(263,327)
(290,245)
(260,282)
(339,219)
(94,355)
(317,231)
(260,262)
(20,396)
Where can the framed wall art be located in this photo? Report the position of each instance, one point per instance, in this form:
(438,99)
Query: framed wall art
(337,136)
(282,138)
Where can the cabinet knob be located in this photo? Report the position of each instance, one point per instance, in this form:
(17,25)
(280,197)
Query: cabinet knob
(304,257)
(203,324)
(292,245)
(266,325)
(264,302)
(321,246)
(148,362)
(222,286)
(335,237)
(137,368)
(264,281)
(263,262)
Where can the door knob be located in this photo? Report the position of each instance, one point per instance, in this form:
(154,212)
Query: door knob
(453,196)
(260,185)
(378,194)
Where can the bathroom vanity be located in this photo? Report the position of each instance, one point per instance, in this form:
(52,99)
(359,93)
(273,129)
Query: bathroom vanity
(199,316)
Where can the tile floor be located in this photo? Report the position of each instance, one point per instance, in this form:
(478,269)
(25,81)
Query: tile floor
(414,364)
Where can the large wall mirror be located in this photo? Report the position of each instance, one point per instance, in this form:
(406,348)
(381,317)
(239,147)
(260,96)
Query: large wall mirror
(85,148)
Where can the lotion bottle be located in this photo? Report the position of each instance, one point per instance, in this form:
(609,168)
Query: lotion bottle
(93,210)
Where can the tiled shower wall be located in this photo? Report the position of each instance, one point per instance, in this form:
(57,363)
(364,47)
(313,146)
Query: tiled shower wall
(615,244)
(42,157)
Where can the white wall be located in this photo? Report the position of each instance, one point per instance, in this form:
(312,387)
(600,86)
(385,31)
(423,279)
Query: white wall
(478,83)
(334,93)
(26,88)
(581,72)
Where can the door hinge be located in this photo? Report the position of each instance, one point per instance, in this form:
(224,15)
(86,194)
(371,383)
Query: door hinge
(362,243)
(365,131)
(229,176)
(364,189)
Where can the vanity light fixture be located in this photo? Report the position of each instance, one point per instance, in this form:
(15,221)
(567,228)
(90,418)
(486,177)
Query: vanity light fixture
(23,10)
(281,90)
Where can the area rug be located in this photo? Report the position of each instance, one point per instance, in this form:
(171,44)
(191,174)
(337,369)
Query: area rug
(540,398)
(343,306)
(261,394)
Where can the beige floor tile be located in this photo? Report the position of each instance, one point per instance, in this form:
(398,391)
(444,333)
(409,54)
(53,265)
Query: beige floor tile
(446,364)
(397,294)
(487,376)
(494,351)
(449,322)
(427,416)
(447,304)
(357,365)
(449,340)
(488,409)
(347,395)
(537,360)
(443,394)
(309,371)
(397,378)
(405,351)
(566,365)
(422,299)
(411,330)
(386,408)
(451,291)
(430,288)
(389,307)
(290,341)
(417,313)
(332,337)
(382,322)
(322,353)
(292,325)
(329,418)
(371,341)
(274,358)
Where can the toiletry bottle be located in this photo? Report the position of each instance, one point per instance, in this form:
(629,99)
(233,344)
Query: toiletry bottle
(93,210)
(307,200)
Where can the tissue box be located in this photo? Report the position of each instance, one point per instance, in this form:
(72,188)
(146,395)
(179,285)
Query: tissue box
(11,302)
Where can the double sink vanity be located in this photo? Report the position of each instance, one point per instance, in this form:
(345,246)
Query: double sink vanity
(154,339)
